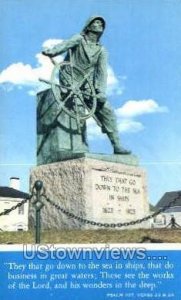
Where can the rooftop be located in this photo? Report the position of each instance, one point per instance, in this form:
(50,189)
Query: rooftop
(12,193)
(169,197)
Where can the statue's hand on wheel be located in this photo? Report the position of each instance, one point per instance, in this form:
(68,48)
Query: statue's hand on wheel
(47,52)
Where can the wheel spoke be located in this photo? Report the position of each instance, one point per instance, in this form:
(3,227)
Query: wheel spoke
(64,77)
(45,81)
(77,116)
(53,61)
(89,109)
(78,86)
(66,87)
(72,74)
(62,102)
(67,97)
(59,101)
(88,94)
(81,83)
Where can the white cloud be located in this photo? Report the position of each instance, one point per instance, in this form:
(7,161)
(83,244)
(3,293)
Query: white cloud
(128,125)
(114,86)
(134,108)
(51,42)
(18,74)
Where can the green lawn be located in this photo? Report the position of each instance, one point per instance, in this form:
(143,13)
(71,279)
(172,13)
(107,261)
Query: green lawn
(94,236)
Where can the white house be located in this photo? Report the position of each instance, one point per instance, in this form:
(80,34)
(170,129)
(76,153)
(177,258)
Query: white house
(163,219)
(17,220)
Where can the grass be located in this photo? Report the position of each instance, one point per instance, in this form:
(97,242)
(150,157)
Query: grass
(94,236)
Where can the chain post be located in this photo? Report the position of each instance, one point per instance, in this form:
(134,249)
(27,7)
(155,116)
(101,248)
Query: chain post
(38,204)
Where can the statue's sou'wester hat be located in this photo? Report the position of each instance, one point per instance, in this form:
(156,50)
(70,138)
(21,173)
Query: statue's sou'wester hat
(90,20)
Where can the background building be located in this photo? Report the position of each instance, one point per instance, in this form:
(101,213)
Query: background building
(163,219)
(17,220)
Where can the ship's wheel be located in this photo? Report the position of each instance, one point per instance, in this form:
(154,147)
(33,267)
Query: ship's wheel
(70,93)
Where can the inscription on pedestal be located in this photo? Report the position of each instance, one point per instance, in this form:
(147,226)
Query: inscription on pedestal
(119,194)
(100,191)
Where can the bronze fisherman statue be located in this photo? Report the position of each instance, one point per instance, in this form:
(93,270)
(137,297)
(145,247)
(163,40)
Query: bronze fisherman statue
(88,77)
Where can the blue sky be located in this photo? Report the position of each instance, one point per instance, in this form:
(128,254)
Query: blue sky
(144,82)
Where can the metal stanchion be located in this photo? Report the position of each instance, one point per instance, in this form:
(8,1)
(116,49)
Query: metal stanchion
(38,204)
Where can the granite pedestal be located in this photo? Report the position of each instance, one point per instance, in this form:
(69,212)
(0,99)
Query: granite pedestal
(100,188)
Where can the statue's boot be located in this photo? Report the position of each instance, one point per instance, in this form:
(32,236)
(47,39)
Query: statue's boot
(115,141)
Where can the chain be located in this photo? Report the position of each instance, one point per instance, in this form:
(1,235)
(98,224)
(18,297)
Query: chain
(86,221)
(112,225)
(7,211)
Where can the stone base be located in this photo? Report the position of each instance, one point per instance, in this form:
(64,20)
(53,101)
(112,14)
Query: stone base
(97,190)
(68,155)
